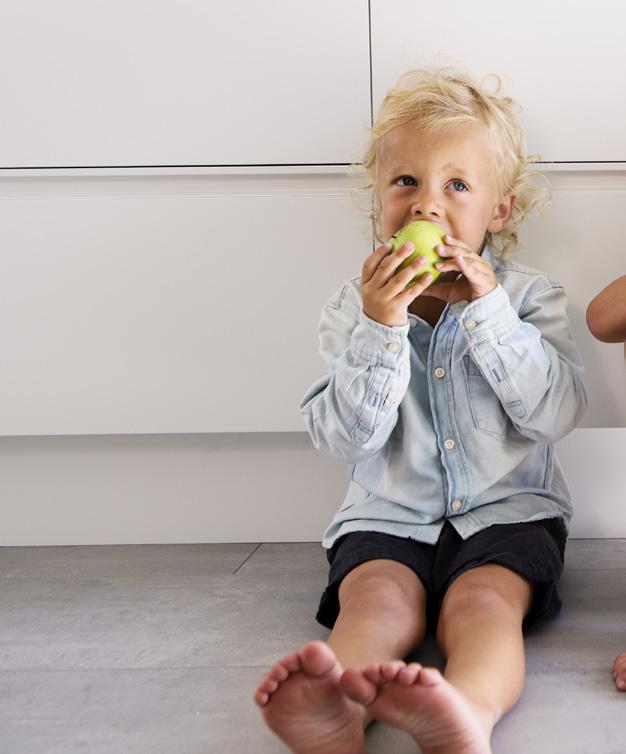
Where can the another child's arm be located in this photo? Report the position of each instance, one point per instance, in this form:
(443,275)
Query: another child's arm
(606,314)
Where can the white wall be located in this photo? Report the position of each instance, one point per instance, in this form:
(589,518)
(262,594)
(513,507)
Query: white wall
(118,340)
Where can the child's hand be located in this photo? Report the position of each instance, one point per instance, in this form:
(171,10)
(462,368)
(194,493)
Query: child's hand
(477,276)
(385,295)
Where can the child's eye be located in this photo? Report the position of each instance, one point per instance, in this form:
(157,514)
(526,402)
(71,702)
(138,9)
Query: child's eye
(458,185)
(405,180)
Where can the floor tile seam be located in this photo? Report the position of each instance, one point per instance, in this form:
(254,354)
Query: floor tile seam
(603,670)
(315,542)
(550,666)
(157,580)
(6,550)
(574,663)
(286,571)
(575,660)
(204,578)
(241,565)
(182,581)
(130,669)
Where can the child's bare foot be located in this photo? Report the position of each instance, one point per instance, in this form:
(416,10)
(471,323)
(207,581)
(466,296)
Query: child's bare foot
(619,671)
(302,703)
(420,701)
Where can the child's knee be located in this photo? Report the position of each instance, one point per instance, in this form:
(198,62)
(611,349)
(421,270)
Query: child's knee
(487,590)
(382,585)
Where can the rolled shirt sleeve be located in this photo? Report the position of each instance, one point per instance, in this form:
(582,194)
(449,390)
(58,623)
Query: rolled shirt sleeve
(352,410)
(530,360)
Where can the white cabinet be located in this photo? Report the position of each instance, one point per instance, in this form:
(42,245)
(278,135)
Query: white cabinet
(188,300)
(183,82)
(564,63)
(191,306)
(137,300)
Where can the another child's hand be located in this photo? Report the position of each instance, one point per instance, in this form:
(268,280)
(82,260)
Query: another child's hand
(386,297)
(477,276)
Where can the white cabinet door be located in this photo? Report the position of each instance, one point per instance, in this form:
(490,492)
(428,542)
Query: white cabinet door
(189,307)
(191,82)
(564,63)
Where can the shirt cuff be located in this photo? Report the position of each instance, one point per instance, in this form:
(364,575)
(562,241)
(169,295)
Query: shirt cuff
(487,317)
(373,342)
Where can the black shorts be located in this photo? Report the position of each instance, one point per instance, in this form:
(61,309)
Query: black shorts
(535,550)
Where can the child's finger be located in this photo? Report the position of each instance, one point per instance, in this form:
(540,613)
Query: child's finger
(384,265)
(454,251)
(387,268)
(479,275)
(373,260)
(412,291)
(450,264)
(470,265)
(451,241)
(400,280)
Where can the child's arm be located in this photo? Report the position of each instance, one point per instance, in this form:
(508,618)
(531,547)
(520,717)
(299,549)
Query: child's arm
(606,314)
(529,359)
(351,412)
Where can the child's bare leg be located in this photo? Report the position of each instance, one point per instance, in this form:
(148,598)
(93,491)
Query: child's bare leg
(619,671)
(381,618)
(480,632)
(481,636)
(382,613)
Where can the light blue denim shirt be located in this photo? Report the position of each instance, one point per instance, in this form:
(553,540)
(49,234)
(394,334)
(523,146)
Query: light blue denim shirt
(456,422)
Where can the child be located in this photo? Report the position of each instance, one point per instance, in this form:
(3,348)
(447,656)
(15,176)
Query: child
(445,402)
(606,319)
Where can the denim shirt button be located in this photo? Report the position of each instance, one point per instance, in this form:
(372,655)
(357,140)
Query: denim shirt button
(471,324)
(449,444)
(393,347)
(456,505)
(440,372)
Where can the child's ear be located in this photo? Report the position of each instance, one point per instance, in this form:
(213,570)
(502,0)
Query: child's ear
(501,213)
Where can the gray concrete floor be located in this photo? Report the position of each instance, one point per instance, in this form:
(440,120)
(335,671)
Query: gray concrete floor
(157,649)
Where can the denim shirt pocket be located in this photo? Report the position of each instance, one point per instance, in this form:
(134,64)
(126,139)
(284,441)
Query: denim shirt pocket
(485,407)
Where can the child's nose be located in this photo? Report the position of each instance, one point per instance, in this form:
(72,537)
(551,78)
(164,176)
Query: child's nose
(425,206)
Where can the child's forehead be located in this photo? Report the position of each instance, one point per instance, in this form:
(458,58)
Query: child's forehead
(464,147)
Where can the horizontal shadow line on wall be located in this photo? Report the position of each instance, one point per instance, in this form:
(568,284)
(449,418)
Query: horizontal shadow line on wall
(238,165)
(263,165)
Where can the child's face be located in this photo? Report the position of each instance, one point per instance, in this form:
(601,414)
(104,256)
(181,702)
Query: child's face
(446,177)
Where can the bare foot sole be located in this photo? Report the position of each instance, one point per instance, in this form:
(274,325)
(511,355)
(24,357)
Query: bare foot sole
(420,701)
(619,671)
(301,701)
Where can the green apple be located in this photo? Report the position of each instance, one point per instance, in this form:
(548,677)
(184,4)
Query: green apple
(425,235)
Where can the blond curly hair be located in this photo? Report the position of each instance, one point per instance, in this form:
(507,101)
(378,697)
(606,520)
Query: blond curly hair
(440,98)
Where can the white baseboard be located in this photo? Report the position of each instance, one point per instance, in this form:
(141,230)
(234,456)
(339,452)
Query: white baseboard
(229,488)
